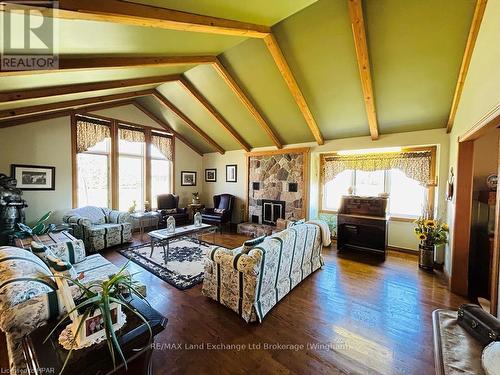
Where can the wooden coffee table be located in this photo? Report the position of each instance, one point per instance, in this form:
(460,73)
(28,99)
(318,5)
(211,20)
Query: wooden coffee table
(163,238)
(46,239)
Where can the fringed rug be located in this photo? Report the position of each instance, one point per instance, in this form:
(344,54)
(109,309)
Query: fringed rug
(184,268)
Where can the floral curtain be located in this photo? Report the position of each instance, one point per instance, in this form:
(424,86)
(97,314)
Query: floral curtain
(415,164)
(89,133)
(164,144)
(131,135)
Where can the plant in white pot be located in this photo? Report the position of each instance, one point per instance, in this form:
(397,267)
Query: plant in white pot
(433,235)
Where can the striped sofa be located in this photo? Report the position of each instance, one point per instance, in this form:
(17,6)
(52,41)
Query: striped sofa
(28,293)
(252,281)
(99,228)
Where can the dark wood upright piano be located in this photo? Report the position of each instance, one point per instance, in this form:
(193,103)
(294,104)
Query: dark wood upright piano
(362,224)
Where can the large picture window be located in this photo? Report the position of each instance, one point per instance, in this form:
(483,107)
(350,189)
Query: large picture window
(408,195)
(119,164)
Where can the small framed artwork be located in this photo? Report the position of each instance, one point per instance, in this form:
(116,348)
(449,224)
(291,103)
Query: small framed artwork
(211,175)
(34,177)
(188,178)
(231,173)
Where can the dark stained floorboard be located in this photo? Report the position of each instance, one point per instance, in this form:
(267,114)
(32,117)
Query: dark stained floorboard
(358,308)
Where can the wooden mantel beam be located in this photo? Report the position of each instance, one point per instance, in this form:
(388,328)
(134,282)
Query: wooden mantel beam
(100,63)
(213,112)
(464,68)
(238,91)
(281,63)
(165,126)
(45,92)
(359,33)
(51,107)
(129,13)
(168,104)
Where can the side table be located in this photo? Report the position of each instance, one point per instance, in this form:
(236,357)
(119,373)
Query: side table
(48,357)
(194,208)
(144,220)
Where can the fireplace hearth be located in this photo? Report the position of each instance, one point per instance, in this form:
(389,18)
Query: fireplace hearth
(272,210)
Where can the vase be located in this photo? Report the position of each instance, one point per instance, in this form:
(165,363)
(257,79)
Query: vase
(439,256)
(170,224)
(426,257)
(197,219)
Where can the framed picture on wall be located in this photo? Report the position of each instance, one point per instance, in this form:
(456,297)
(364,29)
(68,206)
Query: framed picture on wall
(231,173)
(34,177)
(188,178)
(211,175)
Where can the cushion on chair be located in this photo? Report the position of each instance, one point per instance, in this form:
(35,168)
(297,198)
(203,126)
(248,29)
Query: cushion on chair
(96,215)
(169,211)
(219,210)
(225,200)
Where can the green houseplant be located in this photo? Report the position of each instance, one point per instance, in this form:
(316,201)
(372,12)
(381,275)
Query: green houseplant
(39,228)
(431,234)
(100,295)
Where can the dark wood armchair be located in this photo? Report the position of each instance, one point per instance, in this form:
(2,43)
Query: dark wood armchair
(168,205)
(222,211)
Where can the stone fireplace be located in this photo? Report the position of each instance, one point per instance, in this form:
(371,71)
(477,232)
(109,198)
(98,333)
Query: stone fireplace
(276,185)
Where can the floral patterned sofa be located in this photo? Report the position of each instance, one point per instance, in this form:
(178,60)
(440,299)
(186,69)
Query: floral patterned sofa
(99,228)
(251,281)
(28,294)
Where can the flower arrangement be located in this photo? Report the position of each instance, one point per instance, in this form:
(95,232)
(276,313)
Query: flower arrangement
(431,232)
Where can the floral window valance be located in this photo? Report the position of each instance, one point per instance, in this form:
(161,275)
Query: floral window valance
(164,144)
(90,132)
(131,135)
(414,164)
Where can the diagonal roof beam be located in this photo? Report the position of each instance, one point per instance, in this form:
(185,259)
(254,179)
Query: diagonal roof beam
(279,59)
(165,126)
(464,68)
(45,92)
(129,13)
(213,112)
(168,104)
(359,33)
(51,107)
(99,63)
(233,85)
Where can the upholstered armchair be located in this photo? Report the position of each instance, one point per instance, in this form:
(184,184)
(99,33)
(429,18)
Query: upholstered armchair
(222,211)
(168,205)
(99,228)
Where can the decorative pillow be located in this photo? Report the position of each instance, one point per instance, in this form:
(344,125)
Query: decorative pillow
(58,266)
(169,211)
(250,244)
(491,358)
(69,251)
(296,222)
(219,210)
(40,250)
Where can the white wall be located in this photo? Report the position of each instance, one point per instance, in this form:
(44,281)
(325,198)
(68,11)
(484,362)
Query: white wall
(48,143)
(238,189)
(400,233)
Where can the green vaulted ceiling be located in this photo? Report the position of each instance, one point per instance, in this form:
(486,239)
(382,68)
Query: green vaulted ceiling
(415,48)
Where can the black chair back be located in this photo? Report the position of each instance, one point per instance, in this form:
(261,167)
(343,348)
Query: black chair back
(167,201)
(224,201)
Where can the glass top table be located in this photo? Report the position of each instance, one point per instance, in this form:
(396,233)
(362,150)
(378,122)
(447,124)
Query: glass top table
(163,237)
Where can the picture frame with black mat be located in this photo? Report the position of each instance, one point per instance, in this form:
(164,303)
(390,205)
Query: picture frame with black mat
(211,175)
(231,173)
(34,177)
(188,178)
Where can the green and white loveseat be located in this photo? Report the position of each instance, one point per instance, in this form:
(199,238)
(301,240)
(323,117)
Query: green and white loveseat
(251,281)
(99,228)
(29,297)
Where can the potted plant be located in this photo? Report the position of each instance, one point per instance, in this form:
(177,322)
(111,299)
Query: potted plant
(101,302)
(433,234)
(40,227)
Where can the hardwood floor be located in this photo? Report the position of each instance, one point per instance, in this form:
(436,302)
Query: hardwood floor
(355,307)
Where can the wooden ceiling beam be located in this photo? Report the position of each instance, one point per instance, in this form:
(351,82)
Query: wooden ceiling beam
(464,68)
(361,46)
(100,63)
(281,63)
(165,126)
(128,13)
(233,85)
(168,104)
(69,104)
(213,112)
(45,92)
